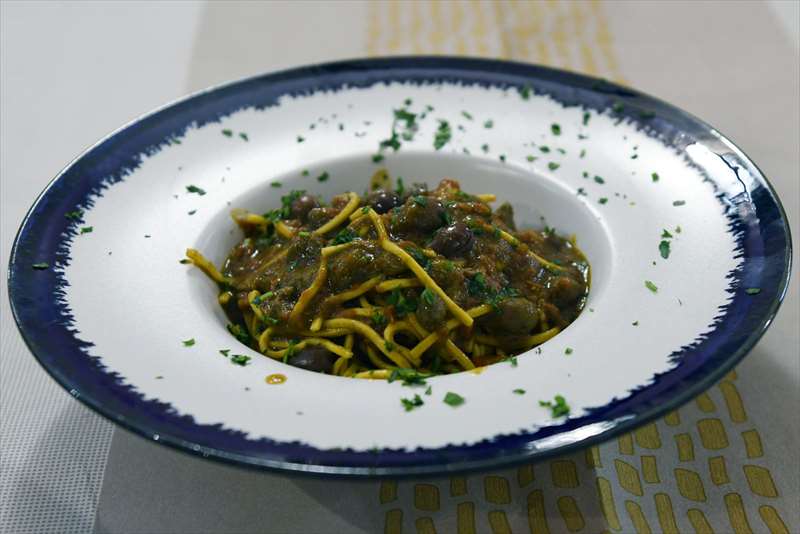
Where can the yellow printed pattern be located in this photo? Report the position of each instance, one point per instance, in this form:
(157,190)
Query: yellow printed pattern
(685,473)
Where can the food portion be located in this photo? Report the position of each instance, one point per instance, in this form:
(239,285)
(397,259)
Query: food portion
(432,281)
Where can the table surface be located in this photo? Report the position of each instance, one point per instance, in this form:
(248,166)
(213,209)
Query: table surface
(71,72)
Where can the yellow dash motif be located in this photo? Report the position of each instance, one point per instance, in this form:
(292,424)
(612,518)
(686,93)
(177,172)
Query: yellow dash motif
(570,513)
(690,485)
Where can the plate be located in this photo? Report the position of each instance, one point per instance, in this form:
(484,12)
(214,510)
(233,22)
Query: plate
(688,243)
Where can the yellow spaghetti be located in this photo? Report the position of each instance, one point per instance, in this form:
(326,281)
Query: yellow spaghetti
(427,281)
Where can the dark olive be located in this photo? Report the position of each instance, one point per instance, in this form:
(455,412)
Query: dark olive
(431,312)
(454,240)
(514,316)
(313,359)
(382,200)
(424,214)
(302,205)
(566,290)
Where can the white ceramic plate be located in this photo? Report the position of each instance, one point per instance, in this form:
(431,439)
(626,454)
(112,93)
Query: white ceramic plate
(107,316)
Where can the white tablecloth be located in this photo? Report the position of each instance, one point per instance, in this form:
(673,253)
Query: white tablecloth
(73,71)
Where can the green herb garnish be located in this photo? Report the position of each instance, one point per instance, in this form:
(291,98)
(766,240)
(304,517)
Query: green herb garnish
(300,138)
(530,158)
(544,149)
(679,203)
(378,319)
(651,286)
(428,296)
(225,352)
(583,153)
(240,359)
(586,117)
(323,177)
(402,305)
(753,290)
(409,377)
(276,184)
(87,229)
(40,266)
(74,215)
(553,165)
(195,189)
(488,124)
(453,399)
(400,189)
(599,179)
(568,351)
(602,200)
(410,404)
(239,333)
(466,115)
(377,158)
(476,286)
(525,92)
(519,391)
(654,176)
(244,136)
(664,249)
(188,342)
(485,148)
(555,128)
(227,133)
(558,407)
(443,135)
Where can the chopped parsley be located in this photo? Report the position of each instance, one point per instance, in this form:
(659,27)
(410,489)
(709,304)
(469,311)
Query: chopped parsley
(428,296)
(634,156)
(679,203)
(300,138)
(568,351)
(555,128)
(617,107)
(41,266)
(244,136)
(513,361)
(192,212)
(377,158)
(466,115)
(225,352)
(453,399)
(583,153)
(323,177)
(530,158)
(654,176)
(476,286)
(188,342)
(305,172)
(304,234)
(553,165)
(753,290)
(388,345)
(276,184)
(240,359)
(602,200)
(74,215)
(599,179)
(488,124)
(285,211)
(400,189)
(402,305)
(544,149)
(409,377)
(502,158)
(420,200)
(378,319)
(525,92)
(635,323)
(428,390)
(227,133)
(345,235)
(239,333)
(586,117)
(651,286)
(410,404)
(87,229)
(666,235)
(664,249)
(558,406)
(485,148)
(195,189)
(519,391)
(443,134)
(184,261)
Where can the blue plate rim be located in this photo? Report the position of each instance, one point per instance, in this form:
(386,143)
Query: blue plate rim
(300,458)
